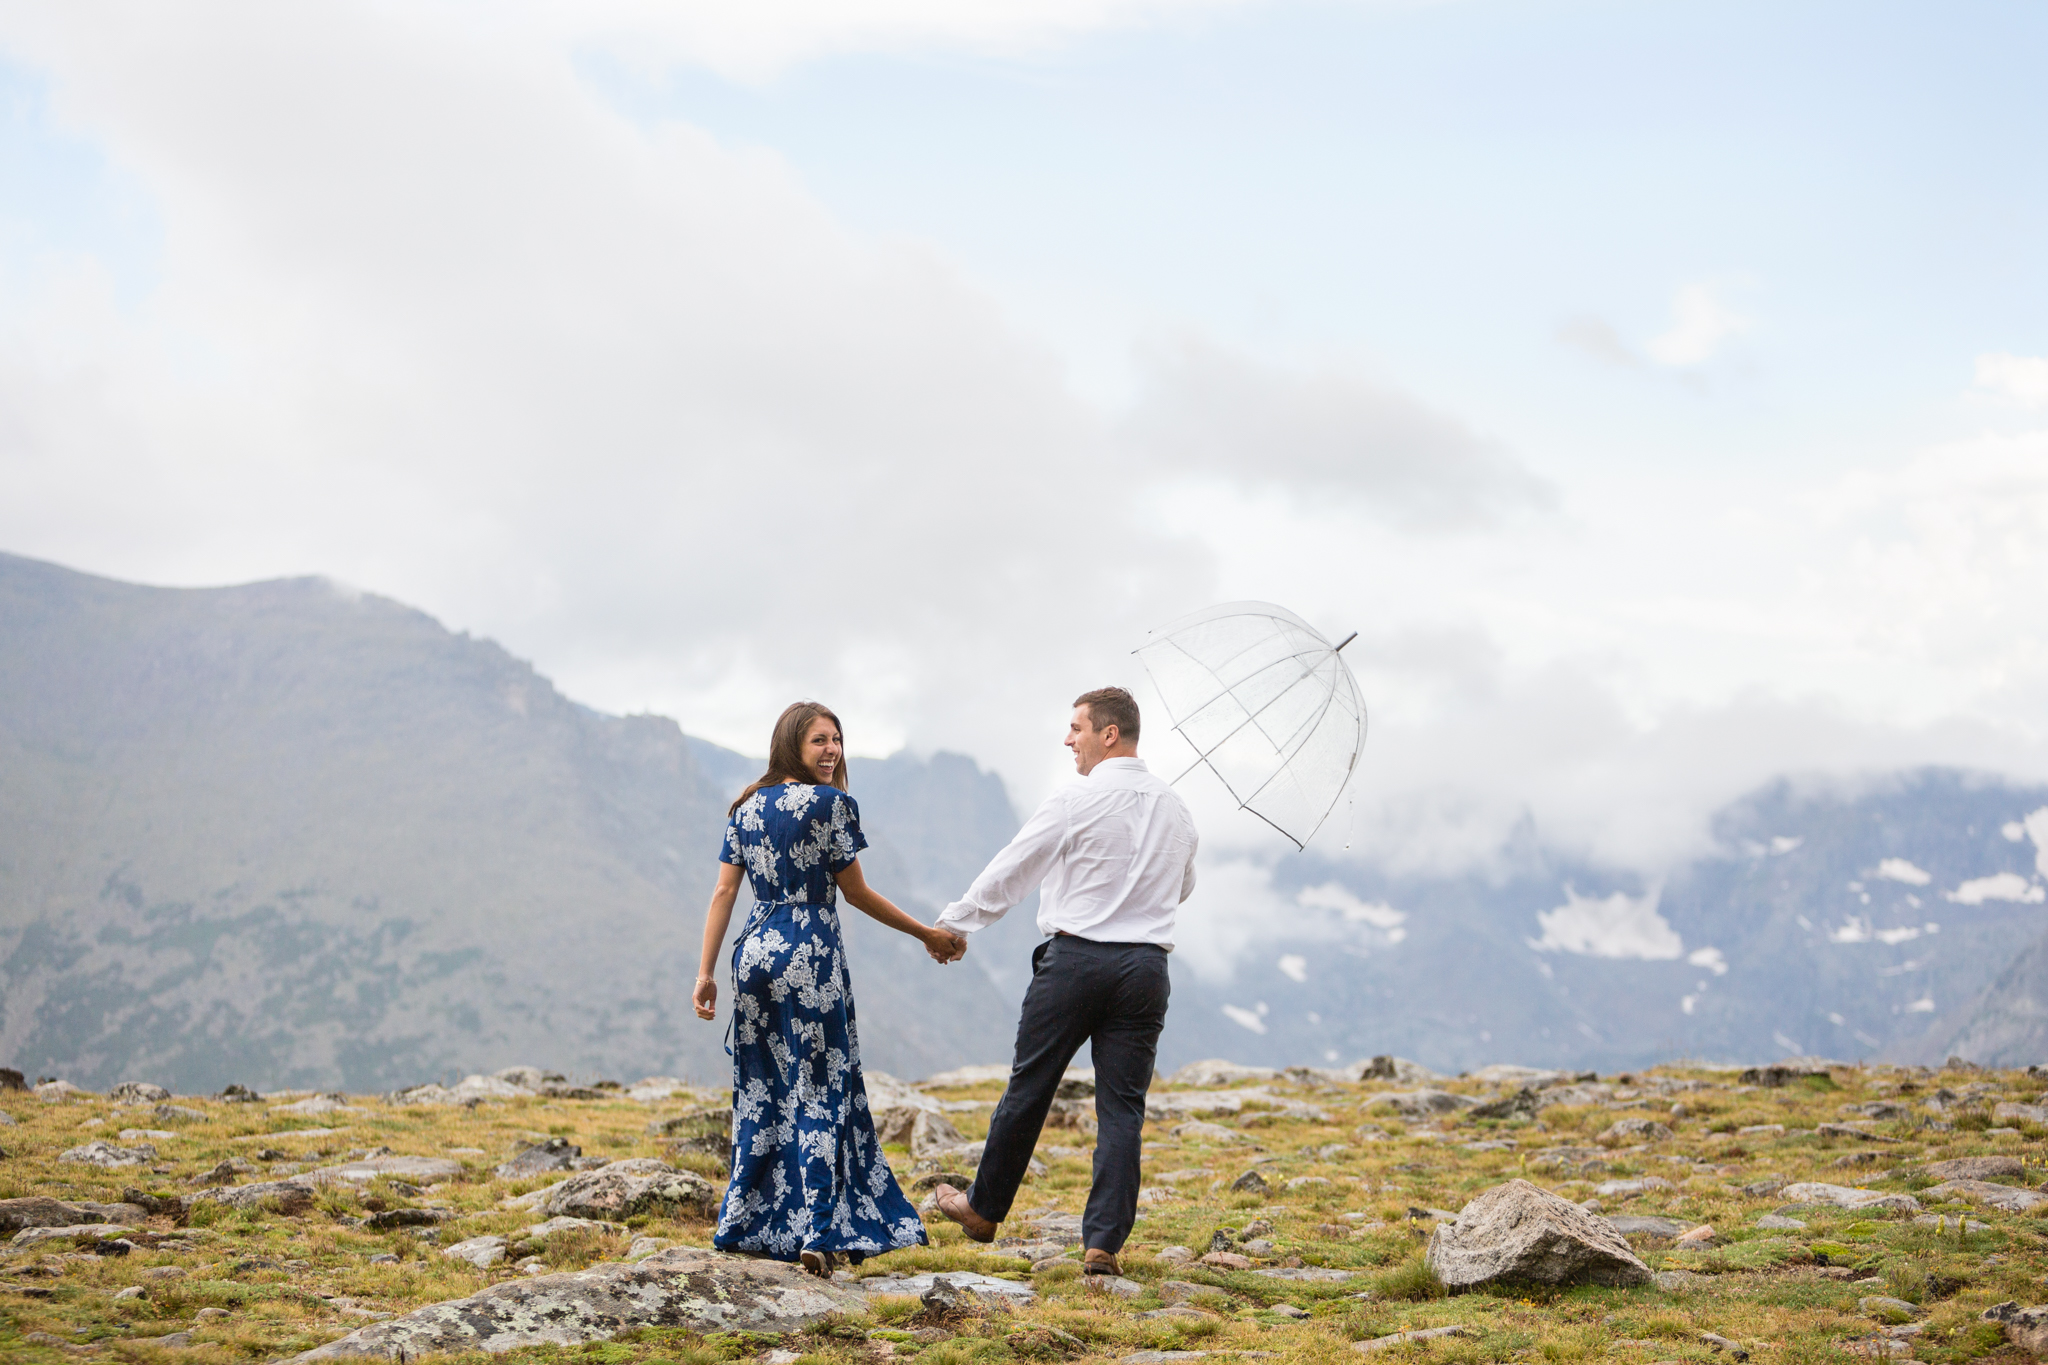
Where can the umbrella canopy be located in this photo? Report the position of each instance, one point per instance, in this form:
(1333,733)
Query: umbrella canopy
(1267,705)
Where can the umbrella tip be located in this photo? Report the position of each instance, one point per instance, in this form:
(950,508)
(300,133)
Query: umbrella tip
(1347,640)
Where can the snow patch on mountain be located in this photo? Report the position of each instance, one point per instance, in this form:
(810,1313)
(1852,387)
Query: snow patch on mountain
(1619,925)
(2003,886)
(1899,870)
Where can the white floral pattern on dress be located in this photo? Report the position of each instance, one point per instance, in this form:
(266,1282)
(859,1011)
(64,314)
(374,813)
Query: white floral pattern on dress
(807,1169)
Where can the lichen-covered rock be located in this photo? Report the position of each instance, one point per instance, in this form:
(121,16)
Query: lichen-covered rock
(1976,1168)
(40,1211)
(626,1188)
(481,1252)
(1420,1104)
(1636,1130)
(1519,1233)
(424,1170)
(292,1196)
(701,1291)
(2011,1198)
(107,1155)
(137,1092)
(2026,1328)
(931,1133)
(1844,1197)
(555,1154)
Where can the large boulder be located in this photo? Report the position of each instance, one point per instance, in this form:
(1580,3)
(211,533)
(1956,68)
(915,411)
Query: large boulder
(1216,1071)
(932,1133)
(614,1193)
(418,1170)
(555,1154)
(1518,1233)
(699,1291)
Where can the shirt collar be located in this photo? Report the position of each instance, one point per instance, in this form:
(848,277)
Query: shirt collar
(1133,764)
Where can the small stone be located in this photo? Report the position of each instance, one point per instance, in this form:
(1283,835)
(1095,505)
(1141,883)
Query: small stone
(386,1258)
(109,1157)
(1778,1223)
(1288,1310)
(1175,1255)
(1884,1307)
(1636,1130)
(133,1291)
(1251,1182)
(1702,1236)
(1226,1260)
(1116,1285)
(210,1315)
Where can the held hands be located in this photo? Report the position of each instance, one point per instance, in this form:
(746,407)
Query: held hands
(705,998)
(944,945)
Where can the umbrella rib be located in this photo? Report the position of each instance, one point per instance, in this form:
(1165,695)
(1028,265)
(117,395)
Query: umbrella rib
(1290,757)
(1211,669)
(1229,690)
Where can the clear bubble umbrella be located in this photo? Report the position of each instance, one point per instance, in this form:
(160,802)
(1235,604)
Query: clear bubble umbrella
(1267,705)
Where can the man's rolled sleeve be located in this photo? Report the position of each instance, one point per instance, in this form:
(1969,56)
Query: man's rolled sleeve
(1012,873)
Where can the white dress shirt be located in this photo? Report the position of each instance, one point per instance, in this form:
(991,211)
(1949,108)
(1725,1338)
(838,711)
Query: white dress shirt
(1116,852)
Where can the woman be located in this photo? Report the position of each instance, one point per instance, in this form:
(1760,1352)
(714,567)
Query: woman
(809,1181)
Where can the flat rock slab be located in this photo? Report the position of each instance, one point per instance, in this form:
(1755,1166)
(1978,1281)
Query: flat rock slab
(1843,1197)
(1313,1273)
(1976,1168)
(291,1196)
(1519,1232)
(1651,1227)
(40,1211)
(427,1169)
(987,1286)
(2011,1198)
(701,1291)
(98,1232)
(1402,1338)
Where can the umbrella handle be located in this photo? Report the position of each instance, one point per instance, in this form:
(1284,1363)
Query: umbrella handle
(1347,640)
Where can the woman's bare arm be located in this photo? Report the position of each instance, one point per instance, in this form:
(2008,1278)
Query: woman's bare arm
(716,921)
(943,944)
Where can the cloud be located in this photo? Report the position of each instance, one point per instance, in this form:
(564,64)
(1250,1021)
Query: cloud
(1331,433)
(1700,321)
(1617,925)
(2022,379)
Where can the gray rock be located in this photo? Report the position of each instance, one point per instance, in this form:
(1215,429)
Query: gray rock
(57,1092)
(423,1170)
(1401,1338)
(1940,1223)
(1842,1197)
(40,1211)
(624,1189)
(1114,1285)
(553,1155)
(108,1156)
(1887,1307)
(1975,1168)
(318,1104)
(1610,1189)
(1518,1232)
(178,1113)
(962,1281)
(1420,1104)
(137,1092)
(2007,1112)
(481,1252)
(1650,1227)
(1774,1076)
(1251,1182)
(2026,1328)
(1314,1274)
(2010,1198)
(1215,1072)
(543,1231)
(1778,1223)
(931,1133)
(1198,1131)
(1636,1130)
(97,1232)
(293,1196)
(1521,1103)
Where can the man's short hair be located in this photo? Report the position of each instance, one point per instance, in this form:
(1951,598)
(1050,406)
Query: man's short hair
(1109,706)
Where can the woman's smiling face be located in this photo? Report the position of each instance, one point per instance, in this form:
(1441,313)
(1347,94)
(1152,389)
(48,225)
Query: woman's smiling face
(821,751)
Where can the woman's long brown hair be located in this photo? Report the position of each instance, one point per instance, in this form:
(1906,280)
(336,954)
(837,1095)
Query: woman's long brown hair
(786,750)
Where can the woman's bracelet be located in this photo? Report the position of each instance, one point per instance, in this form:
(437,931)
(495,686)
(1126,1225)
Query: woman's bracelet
(712,979)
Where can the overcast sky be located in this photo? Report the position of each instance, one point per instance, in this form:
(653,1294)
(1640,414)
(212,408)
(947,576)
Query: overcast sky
(1660,390)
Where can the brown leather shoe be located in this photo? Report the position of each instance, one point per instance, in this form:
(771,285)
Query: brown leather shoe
(1096,1261)
(954,1205)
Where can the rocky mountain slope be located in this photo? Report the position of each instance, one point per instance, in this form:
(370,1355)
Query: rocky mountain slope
(289,835)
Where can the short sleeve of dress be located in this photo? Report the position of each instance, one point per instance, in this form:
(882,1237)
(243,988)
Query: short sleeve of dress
(847,840)
(729,846)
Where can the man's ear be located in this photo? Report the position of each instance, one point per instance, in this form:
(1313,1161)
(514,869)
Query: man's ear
(1112,734)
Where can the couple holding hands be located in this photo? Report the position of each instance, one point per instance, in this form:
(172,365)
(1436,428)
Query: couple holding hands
(1115,854)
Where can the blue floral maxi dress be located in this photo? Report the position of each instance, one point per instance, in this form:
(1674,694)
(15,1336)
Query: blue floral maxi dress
(807,1168)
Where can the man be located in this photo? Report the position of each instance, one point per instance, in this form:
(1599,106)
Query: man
(1116,853)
